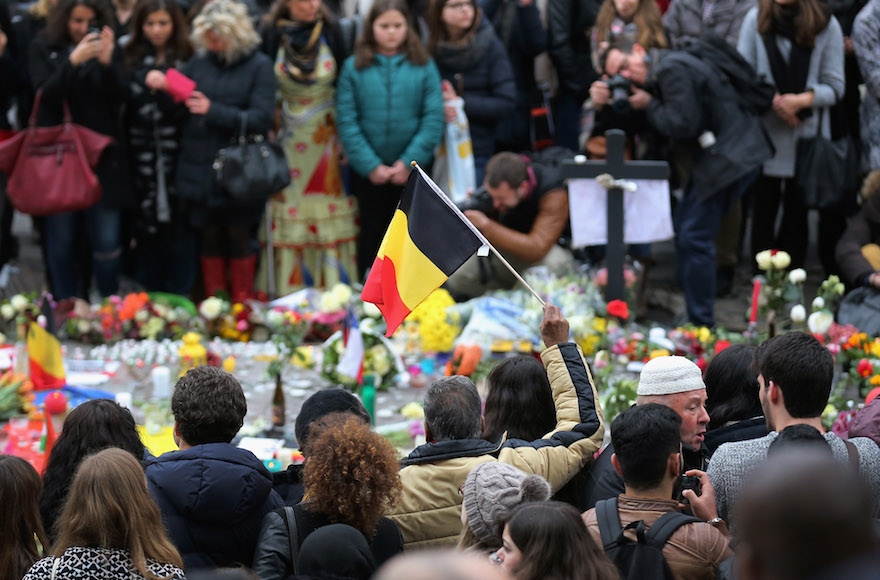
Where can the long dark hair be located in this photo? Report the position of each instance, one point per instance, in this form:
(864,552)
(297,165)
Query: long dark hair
(519,401)
(20,526)
(365,49)
(279,10)
(90,427)
(647,18)
(56,25)
(732,386)
(178,47)
(810,19)
(555,543)
(437,32)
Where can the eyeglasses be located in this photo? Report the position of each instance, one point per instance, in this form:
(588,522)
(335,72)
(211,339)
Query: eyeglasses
(458,6)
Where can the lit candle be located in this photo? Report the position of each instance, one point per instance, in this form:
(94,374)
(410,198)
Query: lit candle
(756,292)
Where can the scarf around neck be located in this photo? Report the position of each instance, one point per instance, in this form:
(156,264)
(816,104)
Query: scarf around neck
(302,46)
(790,75)
(468,52)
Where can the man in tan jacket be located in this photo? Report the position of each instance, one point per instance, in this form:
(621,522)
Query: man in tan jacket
(647,453)
(429,511)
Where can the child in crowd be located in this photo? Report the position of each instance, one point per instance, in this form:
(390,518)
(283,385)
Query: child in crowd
(390,112)
(20,527)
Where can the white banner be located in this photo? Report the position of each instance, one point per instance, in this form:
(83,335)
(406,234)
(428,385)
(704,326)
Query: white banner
(647,212)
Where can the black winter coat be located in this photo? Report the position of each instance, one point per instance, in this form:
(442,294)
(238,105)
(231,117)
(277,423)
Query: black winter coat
(95,94)
(247,85)
(481,74)
(568,27)
(862,229)
(213,499)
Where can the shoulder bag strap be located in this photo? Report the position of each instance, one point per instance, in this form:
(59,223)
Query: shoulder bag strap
(292,538)
(608,518)
(55,568)
(660,532)
(853,453)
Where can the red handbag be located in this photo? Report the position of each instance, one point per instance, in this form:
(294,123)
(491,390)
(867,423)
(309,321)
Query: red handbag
(50,169)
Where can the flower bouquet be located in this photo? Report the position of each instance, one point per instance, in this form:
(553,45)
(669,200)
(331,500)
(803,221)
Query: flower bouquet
(380,360)
(17,313)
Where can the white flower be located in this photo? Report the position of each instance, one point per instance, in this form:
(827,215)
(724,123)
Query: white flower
(7,311)
(141,315)
(371,310)
(329,303)
(83,326)
(171,315)
(797,276)
(274,318)
(818,303)
(780,260)
(19,302)
(41,320)
(342,292)
(210,308)
(763,260)
(820,322)
(798,313)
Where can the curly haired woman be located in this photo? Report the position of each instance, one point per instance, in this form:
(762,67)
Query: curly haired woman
(351,477)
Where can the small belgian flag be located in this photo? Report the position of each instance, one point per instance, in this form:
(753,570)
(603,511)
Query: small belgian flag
(427,241)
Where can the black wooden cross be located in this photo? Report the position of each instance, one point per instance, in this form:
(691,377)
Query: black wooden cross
(618,168)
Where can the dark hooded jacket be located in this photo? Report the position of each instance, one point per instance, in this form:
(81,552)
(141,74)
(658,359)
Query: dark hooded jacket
(213,498)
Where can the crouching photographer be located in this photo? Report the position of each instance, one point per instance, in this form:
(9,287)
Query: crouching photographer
(522,209)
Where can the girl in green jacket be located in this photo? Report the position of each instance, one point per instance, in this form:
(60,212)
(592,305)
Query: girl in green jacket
(389,112)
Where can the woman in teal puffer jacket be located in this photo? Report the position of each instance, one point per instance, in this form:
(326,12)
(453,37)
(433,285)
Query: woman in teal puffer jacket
(389,112)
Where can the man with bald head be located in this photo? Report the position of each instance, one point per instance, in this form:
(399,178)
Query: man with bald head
(677,383)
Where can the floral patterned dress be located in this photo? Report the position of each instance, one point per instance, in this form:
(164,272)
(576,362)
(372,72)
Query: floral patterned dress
(314,222)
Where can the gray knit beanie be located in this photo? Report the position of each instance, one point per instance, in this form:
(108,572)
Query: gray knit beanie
(491,491)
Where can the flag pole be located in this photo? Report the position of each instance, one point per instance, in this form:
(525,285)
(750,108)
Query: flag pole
(476,232)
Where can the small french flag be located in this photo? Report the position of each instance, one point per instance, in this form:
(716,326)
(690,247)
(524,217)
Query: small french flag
(351,364)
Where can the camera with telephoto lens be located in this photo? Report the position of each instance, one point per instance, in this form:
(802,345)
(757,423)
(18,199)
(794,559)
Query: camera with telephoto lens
(479,200)
(621,89)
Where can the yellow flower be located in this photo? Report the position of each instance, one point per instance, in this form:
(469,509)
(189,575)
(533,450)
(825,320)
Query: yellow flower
(875,380)
(704,334)
(659,352)
(588,343)
(600,324)
(874,348)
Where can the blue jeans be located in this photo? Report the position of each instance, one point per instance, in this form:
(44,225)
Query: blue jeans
(696,224)
(102,226)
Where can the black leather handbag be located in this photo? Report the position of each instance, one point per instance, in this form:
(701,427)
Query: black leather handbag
(822,167)
(251,169)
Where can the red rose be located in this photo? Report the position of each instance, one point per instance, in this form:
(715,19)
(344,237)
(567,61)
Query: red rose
(865,368)
(721,345)
(618,309)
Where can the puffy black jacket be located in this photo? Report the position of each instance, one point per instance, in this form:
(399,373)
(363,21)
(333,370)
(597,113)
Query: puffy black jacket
(213,499)
(247,85)
(482,76)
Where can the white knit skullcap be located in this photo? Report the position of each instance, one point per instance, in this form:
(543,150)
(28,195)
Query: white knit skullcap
(667,375)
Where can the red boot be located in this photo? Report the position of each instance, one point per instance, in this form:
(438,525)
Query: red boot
(241,277)
(214,275)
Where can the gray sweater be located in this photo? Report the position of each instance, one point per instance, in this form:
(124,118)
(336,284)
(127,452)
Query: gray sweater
(732,463)
(825,78)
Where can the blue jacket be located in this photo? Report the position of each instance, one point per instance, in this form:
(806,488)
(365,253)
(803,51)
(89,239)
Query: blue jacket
(213,498)
(389,110)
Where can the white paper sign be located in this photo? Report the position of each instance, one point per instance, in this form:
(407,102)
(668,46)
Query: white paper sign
(647,213)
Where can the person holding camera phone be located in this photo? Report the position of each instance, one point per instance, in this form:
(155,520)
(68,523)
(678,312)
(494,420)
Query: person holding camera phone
(76,62)
(648,455)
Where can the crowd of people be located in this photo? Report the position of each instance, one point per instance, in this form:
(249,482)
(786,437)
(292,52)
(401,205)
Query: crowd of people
(489,495)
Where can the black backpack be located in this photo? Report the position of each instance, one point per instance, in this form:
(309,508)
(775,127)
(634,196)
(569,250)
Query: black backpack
(642,559)
(754,93)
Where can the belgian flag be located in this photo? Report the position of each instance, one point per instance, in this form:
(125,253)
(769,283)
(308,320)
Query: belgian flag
(428,240)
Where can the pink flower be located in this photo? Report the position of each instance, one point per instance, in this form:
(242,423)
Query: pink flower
(241,325)
(601,277)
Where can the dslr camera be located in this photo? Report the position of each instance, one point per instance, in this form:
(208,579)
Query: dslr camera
(621,89)
(479,200)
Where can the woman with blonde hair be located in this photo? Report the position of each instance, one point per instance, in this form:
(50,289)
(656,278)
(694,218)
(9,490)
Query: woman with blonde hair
(21,533)
(351,477)
(110,523)
(234,86)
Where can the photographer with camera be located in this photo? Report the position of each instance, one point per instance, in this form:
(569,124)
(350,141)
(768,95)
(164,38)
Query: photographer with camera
(647,453)
(718,146)
(522,209)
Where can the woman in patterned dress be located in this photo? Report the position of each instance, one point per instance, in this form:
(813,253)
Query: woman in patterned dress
(313,221)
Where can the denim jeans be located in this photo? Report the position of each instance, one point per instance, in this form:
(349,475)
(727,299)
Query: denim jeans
(696,223)
(102,227)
